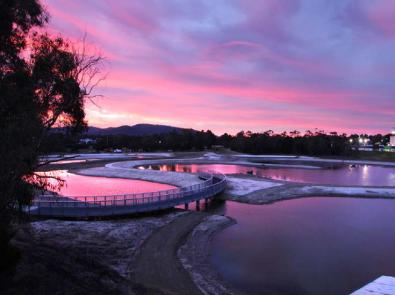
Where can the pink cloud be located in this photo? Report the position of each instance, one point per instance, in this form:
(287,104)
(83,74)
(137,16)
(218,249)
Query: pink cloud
(229,66)
(382,15)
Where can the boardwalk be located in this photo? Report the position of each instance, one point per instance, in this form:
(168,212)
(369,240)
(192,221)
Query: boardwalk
(96,206)
(384,285)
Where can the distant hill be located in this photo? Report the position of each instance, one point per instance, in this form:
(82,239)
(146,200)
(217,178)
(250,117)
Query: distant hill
(135,130)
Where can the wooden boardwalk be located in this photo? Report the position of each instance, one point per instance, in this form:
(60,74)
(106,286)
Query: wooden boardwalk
(384,285)
(116,205)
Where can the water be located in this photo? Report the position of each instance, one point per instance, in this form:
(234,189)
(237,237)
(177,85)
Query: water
(318,245)
(80,185)
(72,161)
(364,175)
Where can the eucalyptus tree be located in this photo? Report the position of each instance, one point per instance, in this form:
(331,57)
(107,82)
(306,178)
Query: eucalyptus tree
(44,82)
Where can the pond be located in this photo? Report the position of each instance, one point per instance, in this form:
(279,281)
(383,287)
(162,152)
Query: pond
(316,245)
(364,175)
(80,185)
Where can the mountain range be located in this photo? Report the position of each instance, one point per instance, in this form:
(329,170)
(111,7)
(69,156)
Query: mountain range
(135,130)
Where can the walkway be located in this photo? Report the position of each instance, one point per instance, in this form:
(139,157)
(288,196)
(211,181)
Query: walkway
(158,267)
(116,205)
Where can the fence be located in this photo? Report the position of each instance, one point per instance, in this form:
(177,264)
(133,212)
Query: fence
(90,206)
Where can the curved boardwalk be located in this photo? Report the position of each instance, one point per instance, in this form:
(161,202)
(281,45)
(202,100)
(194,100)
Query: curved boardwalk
(157,267)
(96,206)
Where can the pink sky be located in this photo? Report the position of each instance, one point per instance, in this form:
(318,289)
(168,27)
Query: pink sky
(231,65)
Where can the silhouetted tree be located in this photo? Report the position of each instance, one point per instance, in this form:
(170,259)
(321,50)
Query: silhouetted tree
(44,82)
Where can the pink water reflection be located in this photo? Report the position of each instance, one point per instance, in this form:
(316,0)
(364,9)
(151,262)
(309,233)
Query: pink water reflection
(67,162)
(194,168)
(79,185)
(365,175)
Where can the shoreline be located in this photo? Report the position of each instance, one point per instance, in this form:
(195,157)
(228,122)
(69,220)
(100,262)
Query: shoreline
(194,255)
(171,178)
(277,190)
(158,267)
(277,194)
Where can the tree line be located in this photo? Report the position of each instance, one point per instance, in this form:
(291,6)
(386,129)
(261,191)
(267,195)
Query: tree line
(310,143)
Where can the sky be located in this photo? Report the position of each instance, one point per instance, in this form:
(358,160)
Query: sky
(231,65)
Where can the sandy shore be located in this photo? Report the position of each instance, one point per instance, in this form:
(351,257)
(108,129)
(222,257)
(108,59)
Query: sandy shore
(263,191)
(194,256)
(173,178)
(157,265)
(128,256)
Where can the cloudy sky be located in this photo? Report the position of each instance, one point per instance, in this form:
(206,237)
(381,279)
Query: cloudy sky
(231,65)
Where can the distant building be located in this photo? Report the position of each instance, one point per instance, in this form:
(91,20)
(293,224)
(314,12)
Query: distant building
(392,138)
(366,148)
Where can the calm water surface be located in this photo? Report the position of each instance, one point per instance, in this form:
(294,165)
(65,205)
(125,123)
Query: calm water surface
(318,245)
(71,161)
(365,175)
(80,185)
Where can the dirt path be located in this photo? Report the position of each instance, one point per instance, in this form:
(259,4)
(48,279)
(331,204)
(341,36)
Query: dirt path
(157,266)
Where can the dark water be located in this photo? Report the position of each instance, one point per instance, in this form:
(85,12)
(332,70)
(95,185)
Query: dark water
(318,245)
(364,175)
(80,185)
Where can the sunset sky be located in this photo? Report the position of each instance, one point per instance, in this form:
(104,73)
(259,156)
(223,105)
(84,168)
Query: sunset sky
(231,65)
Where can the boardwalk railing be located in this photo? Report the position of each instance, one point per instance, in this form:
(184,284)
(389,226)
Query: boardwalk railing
(90,206)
